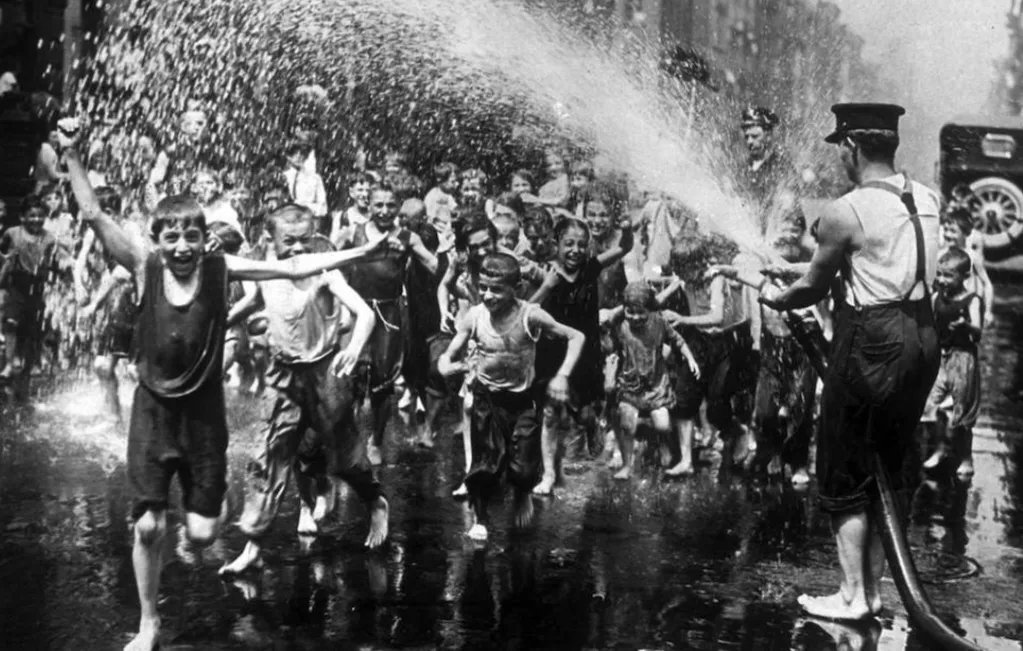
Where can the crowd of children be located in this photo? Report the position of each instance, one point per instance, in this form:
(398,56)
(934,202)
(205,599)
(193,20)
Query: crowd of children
(532,311)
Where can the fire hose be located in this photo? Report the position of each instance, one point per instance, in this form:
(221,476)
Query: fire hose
(896,548)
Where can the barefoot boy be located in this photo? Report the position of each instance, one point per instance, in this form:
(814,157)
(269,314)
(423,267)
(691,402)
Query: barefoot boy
(311,372)
(505,430)
(178,425)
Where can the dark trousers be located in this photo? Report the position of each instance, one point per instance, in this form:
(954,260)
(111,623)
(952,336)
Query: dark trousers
(311,432)
(505,439)
(883,362)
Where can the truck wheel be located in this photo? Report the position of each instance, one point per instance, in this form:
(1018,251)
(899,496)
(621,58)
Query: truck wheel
(996,204)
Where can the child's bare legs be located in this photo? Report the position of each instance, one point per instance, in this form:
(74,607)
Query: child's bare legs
(684,428)
(962,441)
(150,531)
(105,367)
(480,518)
(146,553)
(260,363)
(461,491)
(628,420)
(380,409)
(548,451)
(10,350)
(523,508)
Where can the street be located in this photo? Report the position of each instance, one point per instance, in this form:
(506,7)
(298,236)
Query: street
(642,564)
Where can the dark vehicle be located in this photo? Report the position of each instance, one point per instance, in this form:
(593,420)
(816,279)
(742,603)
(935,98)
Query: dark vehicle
(982,164)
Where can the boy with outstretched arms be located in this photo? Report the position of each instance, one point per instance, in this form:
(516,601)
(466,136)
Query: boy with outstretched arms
(178,425)
(311,371)
(504,426)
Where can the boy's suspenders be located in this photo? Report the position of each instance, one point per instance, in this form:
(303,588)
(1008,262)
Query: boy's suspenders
(906,195)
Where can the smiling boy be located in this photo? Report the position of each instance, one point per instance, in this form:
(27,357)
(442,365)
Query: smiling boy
(178,424)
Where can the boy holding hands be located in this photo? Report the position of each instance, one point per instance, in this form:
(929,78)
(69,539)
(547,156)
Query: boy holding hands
(178,424)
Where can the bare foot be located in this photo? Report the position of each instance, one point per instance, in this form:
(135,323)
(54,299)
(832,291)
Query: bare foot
(321,508)
(477,532)
(834,606)
(624,473)
(523,510)
(857,637)
(615,462)
(249,558)
(378,512)
(374,454)
(306,522)
(965,469)
(665,456)
(148,637)
(935,459)
(681,469)
(461,492)
(546,485)
(800,477)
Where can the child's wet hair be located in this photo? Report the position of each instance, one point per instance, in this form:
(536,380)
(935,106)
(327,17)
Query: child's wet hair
(356,178)
(443,171)
(692,255)
(230,239)
(290,213)
(502,266)
(177,210)
(512,202)
(958,259)
(961,216)
(32,202)
(523,174)
(567,224)
(473,222)
(639,292)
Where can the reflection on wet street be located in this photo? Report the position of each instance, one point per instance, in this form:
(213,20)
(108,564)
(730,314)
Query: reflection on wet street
(648,564)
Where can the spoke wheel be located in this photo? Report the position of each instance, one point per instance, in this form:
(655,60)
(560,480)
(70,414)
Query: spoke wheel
(996,204)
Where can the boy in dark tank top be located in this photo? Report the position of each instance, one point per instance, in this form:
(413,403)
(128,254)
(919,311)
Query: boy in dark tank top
(178,425)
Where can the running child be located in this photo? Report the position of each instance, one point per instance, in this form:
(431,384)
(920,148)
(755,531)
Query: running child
(958,320)
(644,384)
(28,252)
(108,296)
(570,294)
(718,333)
(505,429)
(380,281)
(311,428)
(178,424)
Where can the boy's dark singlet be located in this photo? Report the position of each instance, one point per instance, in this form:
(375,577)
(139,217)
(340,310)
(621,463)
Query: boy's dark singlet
(380,275)
(945,312)
(180,348)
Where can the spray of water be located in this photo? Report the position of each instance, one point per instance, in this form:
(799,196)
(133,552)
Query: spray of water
(463,71)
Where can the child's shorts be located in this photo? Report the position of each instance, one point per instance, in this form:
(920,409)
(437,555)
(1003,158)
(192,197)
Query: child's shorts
(185,436)
(21,313)
(505,439)
(958,379)
(646,402)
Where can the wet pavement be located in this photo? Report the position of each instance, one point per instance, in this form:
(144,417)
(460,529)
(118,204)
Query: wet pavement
(646,564)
